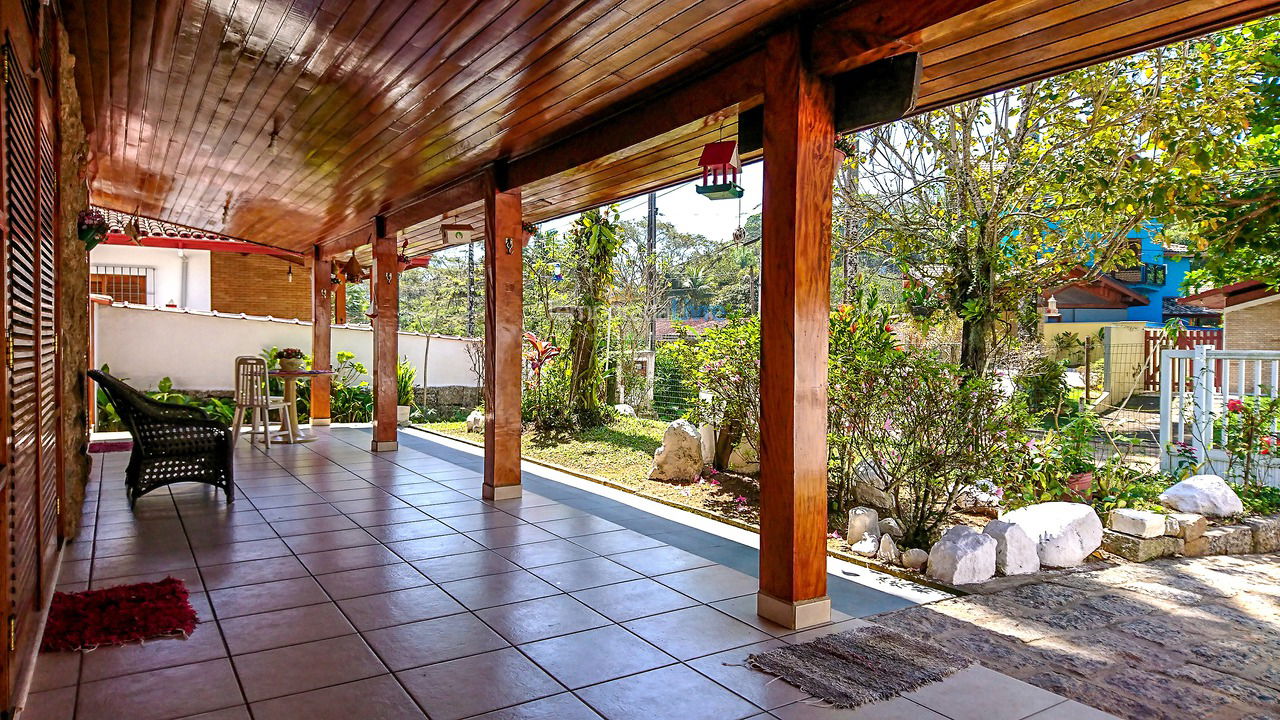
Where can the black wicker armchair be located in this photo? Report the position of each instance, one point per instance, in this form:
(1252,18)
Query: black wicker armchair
(171,443)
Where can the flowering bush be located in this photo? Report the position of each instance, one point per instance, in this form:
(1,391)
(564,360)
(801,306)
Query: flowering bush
(727,363)
(1250,441)
(290,354)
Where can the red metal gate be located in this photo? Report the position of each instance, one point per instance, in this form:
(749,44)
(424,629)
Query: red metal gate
(1156,341)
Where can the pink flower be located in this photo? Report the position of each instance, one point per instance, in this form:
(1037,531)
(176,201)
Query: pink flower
(1235,405)
(741,500)
(714,481)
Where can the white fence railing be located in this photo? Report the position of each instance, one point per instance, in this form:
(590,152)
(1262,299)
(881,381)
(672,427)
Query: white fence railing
(1197,389)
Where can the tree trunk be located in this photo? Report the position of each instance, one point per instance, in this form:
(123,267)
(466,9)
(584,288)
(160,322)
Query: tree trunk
(582,345)
(975,344)
(726,440)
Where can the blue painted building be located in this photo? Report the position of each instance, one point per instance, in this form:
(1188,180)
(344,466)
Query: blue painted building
(1148,291)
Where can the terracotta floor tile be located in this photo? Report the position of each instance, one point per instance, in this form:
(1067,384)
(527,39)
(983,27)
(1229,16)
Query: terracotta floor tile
(306,526)
(977,693)
(371,580)
(203,644)
(670,693)
(579,525)
(583,574)
(299,512)
(299,668)
(241,551)
(263,631)
(331,561)
(895,709)
(59,704)
(630,600)
(387,517)
(436,546)
(240,712)
(430,641)
(510,535)
(482,521)
(618,541)
(557,707)
(409,530)
(730,669)
(477,684)
(660,560)
(466,565)
(265,597)
(395,608)
(501,589)
(56,670)
(694,632)
(376,698)
(161,694)
(541,618)
(708,584)
(252,571)
(594,656)
(545,553)
(335,540)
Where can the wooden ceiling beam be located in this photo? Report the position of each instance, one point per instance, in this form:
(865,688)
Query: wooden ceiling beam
(869,30)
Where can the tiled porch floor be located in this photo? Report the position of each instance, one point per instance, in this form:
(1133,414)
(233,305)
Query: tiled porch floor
(341,584)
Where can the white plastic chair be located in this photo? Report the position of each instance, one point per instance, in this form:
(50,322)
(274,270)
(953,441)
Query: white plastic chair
(253,396)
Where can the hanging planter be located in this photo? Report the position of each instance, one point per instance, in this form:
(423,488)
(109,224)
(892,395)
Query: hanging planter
(92,228)
(845,146)
(527,231)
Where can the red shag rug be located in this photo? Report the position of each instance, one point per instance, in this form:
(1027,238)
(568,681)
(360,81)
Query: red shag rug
(118,615)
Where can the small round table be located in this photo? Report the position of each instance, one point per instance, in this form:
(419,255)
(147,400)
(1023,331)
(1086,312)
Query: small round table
(289,431)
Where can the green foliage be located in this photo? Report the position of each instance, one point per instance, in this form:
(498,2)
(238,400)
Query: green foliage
(350,399)
(595,239)
(405,375)
(1044,385)
(108,420)
(1249,440)
(674,388)
(727,362)
(992,200)
(1259,499)
(1117,484)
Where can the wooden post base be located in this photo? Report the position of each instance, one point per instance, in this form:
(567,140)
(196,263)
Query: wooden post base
(794,615)
(384,446)
(503,492)
(319,422)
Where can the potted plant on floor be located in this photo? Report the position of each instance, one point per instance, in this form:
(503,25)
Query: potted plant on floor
(405,374)
(292,360)
(1077,453)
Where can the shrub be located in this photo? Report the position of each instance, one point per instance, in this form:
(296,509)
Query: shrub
(350,399)
(405,374)
(727,363)
(674,387)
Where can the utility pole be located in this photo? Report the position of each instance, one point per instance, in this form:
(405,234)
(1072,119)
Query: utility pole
(471,289)
(651,232)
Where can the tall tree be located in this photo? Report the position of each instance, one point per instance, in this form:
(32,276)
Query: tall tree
(994,200)
(595,240)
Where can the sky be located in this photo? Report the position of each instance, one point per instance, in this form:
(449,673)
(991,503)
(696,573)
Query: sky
(690,212)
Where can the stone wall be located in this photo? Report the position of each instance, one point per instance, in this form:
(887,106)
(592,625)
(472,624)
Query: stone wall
(448,399)
(73,299)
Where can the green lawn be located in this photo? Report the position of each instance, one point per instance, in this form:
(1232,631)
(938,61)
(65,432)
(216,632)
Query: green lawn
(623,453)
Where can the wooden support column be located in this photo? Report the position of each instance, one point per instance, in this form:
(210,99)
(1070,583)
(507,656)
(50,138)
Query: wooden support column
(321,335)
(503,326)
(384,286)
(799,136)
(340,302)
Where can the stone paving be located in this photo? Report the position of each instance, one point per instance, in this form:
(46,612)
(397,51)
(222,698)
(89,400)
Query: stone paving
(1176,638)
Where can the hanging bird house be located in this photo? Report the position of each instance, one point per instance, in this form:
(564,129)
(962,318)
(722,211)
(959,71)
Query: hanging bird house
(455,234)
(720,166)
(352,271)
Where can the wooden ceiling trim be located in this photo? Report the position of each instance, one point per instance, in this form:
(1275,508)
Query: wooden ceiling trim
(1003,22)
(1083,51)
(863,32)
(434,40)
(516,81)
(205,194)
(471,67)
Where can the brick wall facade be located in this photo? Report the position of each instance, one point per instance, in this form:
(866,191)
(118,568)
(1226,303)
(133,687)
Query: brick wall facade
(258,285)
(1256,327)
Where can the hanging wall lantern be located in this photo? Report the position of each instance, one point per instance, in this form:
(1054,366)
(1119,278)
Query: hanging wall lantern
(352,271)
(720,166)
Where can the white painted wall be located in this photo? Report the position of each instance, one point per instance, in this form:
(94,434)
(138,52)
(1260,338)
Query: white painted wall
(197,350)
(168,267)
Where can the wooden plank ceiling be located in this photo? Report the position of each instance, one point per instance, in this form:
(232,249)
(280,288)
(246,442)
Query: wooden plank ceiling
(293,122)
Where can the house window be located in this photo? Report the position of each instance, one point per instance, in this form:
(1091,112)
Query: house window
(124,283)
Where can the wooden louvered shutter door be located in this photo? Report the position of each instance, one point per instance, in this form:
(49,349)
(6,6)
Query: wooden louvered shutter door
(21,278)
(48,334)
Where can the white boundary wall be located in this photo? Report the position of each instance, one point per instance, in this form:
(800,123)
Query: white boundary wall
(197,350)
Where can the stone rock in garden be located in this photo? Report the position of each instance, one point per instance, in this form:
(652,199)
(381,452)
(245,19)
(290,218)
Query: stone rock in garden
(1015,550)
(1138,523)
(1188,526)
(475,422)
(680,455)
(864,530)
(1229,540)
(1266,533)
(890,526)
(1141,549)
(624,410)
(868,493)
(888,551)
(1065,533)
(1195,548)
(915,558)
(1204,494)
(963,556)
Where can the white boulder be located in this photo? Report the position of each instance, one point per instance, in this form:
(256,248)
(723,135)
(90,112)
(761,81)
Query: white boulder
(680,455)
(888,551)
(1065,533)
(1015,551)
(1204,494)
(1138,523)
(915,558)
(864,531)
(475,422)
(890,526)
(963,556)
(624,410)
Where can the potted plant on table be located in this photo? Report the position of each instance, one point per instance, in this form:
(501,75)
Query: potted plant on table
(292,360)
